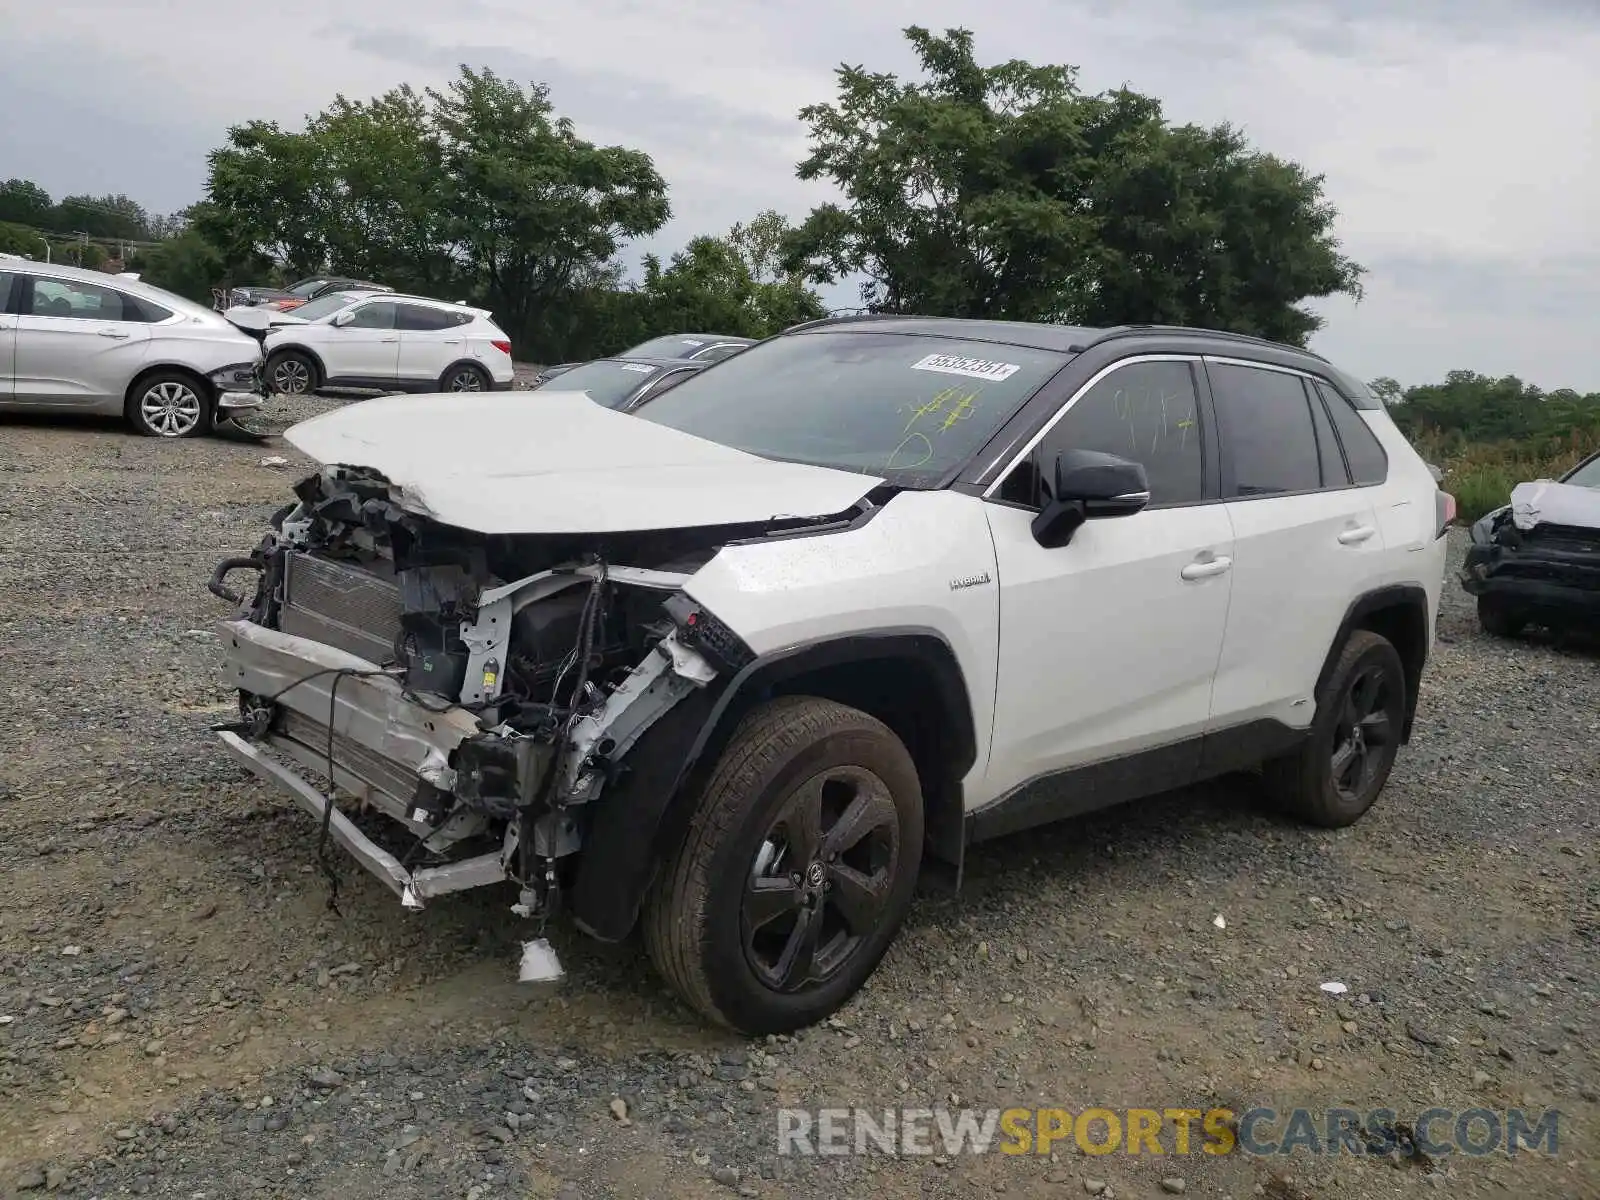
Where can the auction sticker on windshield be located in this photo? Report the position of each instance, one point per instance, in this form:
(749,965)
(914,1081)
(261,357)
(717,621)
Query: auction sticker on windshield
(975,368)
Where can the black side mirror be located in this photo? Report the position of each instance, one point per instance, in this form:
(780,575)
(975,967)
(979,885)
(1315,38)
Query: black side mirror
(1089,485)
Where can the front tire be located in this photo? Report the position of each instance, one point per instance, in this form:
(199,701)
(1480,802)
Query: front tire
(1498,619)
(796,872)
(169,404)
(1337,774)
(291,373)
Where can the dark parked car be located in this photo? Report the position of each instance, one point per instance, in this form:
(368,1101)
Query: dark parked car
(625,383)
(690,347)
(295,294)
(1536,561)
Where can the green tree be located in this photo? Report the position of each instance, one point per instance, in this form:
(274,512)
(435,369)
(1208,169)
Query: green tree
(477,191)
(380,182)
(23,202)
(1387,390)
(1005,191)
(266,200)
(731,284)
(534,207)
(102,217)
(187,264)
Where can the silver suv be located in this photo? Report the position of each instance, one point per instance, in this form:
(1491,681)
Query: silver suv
(84,341)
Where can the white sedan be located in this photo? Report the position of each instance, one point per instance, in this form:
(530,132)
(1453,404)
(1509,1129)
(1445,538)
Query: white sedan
(75,340)
(386,342)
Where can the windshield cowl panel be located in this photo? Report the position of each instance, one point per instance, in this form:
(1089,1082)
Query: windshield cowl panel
(908,407)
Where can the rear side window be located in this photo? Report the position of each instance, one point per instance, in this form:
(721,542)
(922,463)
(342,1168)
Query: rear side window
(1334,474)
(5,290)
(1362,450)
(421,317)
(1265,423)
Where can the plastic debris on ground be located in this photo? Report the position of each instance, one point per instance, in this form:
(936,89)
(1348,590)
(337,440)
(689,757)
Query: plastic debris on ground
(539,963)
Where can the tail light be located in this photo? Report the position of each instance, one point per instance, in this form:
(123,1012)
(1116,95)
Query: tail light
(1444,509)
(503,347)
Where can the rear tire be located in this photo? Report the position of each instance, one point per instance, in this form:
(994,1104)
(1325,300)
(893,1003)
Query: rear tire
(293,373)
(170,404)
(775,909)
(465,377)
(1337,773)
(1499,619)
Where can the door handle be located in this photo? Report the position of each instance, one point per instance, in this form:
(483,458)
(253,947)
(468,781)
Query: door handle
(393,339)
(1205,568)
(452,341)
(1354,537)
(111,333)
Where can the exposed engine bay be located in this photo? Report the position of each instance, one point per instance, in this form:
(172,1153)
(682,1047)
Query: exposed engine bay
(481,690)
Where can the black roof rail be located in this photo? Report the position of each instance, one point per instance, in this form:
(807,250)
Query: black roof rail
(1124,331)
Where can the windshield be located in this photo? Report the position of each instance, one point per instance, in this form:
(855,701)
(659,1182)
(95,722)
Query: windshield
(332,302)
(676,345)
(908,407)
(305,287)
(606,381)
(1587,475)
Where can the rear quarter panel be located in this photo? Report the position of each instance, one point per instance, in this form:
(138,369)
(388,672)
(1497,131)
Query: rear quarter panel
(1415,553)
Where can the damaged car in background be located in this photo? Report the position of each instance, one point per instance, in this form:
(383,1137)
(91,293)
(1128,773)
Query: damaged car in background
(727,667)
(1536,561)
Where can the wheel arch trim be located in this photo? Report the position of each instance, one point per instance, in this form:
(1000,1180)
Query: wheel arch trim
(1406,597)
(634,829)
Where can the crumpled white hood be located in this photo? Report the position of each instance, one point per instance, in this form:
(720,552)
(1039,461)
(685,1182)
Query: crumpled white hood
(1544,501)
(556,462)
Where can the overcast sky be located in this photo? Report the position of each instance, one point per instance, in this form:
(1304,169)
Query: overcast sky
(1461,143)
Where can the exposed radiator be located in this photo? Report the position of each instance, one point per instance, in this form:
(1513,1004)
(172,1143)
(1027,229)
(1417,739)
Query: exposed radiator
(341,605)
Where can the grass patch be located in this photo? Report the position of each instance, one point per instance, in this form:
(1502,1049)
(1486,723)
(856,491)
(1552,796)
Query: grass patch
(1481,475)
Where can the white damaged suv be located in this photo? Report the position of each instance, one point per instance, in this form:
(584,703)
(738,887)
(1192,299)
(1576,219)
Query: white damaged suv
(874,589)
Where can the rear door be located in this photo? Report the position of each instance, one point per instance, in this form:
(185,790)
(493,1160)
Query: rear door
(430,340)
(8,336)
(1306,542)
(77,344)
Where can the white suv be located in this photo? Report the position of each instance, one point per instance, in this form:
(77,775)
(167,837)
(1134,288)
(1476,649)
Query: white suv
(387,342)
(874,588)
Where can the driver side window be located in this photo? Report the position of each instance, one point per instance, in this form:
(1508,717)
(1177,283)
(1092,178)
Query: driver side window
(379,315)
(1147,412)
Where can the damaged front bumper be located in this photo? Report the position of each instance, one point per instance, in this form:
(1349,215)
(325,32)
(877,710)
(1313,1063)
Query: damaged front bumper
(240,387)
(1545,571)
(468,791)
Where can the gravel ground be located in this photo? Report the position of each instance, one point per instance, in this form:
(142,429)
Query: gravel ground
(182,1015)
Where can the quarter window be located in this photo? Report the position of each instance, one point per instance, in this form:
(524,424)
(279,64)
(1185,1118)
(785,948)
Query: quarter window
(5,290)
(1362,450)
(374,316)
(1265,423)
(1146,412)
